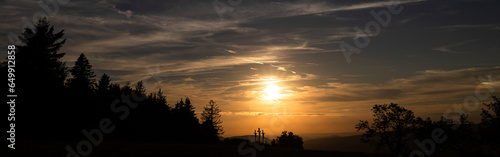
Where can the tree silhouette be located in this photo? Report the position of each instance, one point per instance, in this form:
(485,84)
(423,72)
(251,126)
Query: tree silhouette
(155,117)
(490,127)
(459,142)
(288,140)
(491,118)
(140,90)
(81,102)
(40,57)
(211,123)
(185,110)
(160,98)
(104,84)
(83,77)
(126,88)
(84,104)
(391,128)
(186,123)
(40,76)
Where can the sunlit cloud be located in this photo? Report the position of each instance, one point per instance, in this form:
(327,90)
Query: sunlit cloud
(280,58)
(447,48)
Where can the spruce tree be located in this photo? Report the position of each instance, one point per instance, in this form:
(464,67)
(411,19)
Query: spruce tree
(104,84)
(40,77)
(39,57)
(83,77)
(211,124)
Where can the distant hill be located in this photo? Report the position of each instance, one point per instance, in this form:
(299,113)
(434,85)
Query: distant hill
(251,138)
(310,136)
(305,136)
(339,143)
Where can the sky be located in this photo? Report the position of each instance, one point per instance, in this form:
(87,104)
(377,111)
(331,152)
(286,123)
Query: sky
(279,65)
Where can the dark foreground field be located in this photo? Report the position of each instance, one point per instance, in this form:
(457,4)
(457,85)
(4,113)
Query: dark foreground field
(122,149)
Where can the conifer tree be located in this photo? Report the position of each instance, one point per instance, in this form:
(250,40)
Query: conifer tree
(83,77)
(211,120)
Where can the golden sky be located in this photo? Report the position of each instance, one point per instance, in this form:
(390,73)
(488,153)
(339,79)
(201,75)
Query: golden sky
(278,65)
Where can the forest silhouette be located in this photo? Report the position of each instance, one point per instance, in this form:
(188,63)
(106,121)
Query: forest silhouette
(397,131)
(61,102)
(58,102)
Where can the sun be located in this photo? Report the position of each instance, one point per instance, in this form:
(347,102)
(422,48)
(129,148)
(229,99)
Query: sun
(272,92)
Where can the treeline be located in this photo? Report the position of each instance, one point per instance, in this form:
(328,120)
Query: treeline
(398,131)
(58,102)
